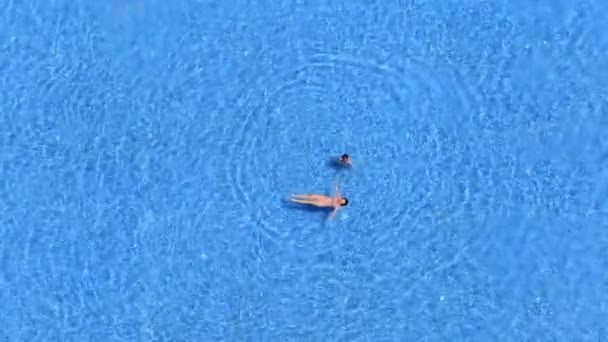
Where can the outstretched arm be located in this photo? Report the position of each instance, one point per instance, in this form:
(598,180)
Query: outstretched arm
(333,214)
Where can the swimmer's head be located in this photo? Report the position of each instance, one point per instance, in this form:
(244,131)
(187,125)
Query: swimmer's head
(344,202)
(345,158)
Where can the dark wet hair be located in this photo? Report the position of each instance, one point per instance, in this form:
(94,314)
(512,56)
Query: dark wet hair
(344,156)
(345,201)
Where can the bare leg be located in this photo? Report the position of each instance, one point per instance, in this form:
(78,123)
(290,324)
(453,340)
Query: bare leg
(308,197)
(309,202)
(302,201)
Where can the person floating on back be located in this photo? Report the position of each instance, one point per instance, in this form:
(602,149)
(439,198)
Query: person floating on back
(322,201)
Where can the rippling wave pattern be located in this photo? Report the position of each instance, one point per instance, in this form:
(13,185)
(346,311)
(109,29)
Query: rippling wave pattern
(291,105)
(148,151)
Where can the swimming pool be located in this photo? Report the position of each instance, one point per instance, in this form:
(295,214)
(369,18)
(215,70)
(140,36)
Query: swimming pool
(147,151)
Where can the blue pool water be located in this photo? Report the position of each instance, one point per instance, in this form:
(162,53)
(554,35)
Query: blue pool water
(147,149)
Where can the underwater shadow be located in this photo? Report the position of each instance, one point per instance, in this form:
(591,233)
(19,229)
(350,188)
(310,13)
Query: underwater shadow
(307,208)
(335,164)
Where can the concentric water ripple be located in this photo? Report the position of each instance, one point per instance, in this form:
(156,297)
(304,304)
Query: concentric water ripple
(294,121)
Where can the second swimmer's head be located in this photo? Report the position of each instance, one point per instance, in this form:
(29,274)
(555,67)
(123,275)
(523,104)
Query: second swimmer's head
(345,159)
(344,202)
